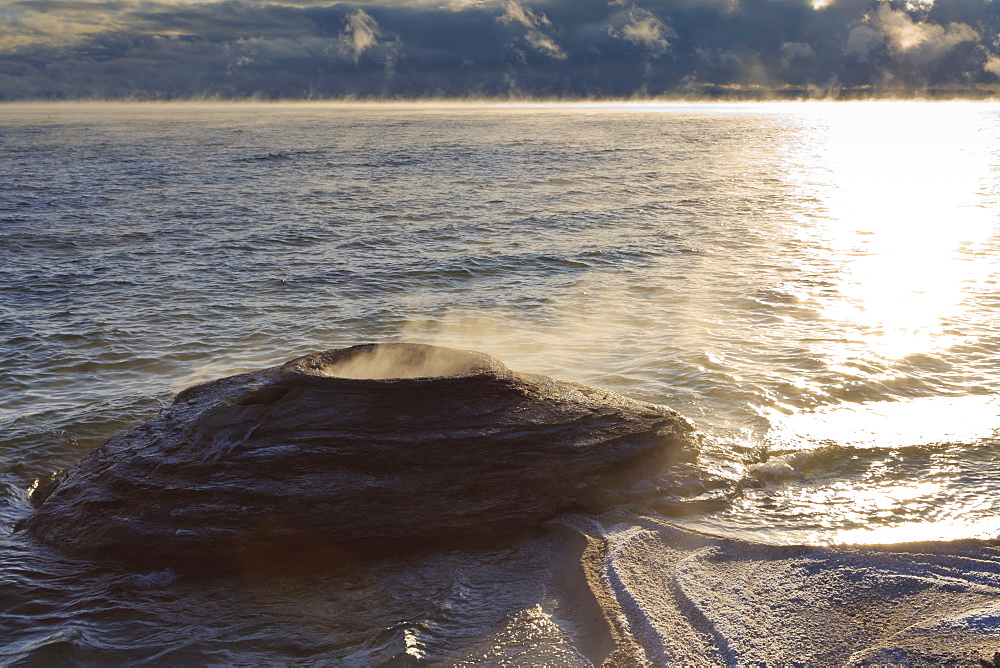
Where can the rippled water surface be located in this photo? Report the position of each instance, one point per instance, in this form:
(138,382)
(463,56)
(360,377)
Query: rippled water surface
(814,285)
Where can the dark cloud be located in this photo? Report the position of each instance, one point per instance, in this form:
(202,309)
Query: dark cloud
(616,48)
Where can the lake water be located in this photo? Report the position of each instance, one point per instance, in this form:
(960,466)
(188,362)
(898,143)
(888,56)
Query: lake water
(814,285)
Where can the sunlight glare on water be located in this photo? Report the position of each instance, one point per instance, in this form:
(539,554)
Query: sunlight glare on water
(908,192)
(878,472)
(903,222)
(888,424)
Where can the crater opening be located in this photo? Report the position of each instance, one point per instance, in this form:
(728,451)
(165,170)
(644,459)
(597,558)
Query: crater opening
(390,361)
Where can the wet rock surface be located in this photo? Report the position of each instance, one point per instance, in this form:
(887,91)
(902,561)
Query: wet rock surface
(370,443)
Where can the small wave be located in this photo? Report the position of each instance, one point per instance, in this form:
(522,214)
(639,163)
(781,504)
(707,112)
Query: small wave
(42,647)
(14,501)
(155,580)
(867,495)
(273,156)
(396,160)
(265,157)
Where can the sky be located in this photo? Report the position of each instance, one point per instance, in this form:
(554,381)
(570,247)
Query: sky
(511,49)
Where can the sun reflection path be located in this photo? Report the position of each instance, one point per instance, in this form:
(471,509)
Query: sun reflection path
(888,424)
(907,193)
(905,220)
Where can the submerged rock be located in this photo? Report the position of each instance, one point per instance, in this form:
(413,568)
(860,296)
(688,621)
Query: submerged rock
(380,441)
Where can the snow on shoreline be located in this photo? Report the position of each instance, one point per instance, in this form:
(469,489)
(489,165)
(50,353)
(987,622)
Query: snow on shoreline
(692,599)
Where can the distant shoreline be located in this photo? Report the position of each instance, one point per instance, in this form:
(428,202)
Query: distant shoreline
(740,97)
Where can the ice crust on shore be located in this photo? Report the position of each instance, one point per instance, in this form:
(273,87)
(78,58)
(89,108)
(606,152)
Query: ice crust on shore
(682,598)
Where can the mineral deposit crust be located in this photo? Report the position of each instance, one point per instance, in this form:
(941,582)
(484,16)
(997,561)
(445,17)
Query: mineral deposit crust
(375,442)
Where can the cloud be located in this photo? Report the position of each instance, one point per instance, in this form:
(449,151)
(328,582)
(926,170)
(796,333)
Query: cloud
(993,65)
(25,25)
(412,48)
(918,42)
(863,41)
(792,51)
(360,34)
(537,25)
(644,28)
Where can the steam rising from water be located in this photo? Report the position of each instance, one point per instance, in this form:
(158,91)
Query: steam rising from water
(392,361)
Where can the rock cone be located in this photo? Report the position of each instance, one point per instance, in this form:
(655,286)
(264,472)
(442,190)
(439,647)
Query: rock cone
(380,441)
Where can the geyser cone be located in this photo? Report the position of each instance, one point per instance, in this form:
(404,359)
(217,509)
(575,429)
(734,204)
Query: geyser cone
(395,361)
(381,441)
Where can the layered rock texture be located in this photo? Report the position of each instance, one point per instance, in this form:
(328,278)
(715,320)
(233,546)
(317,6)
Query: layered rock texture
(374,442)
